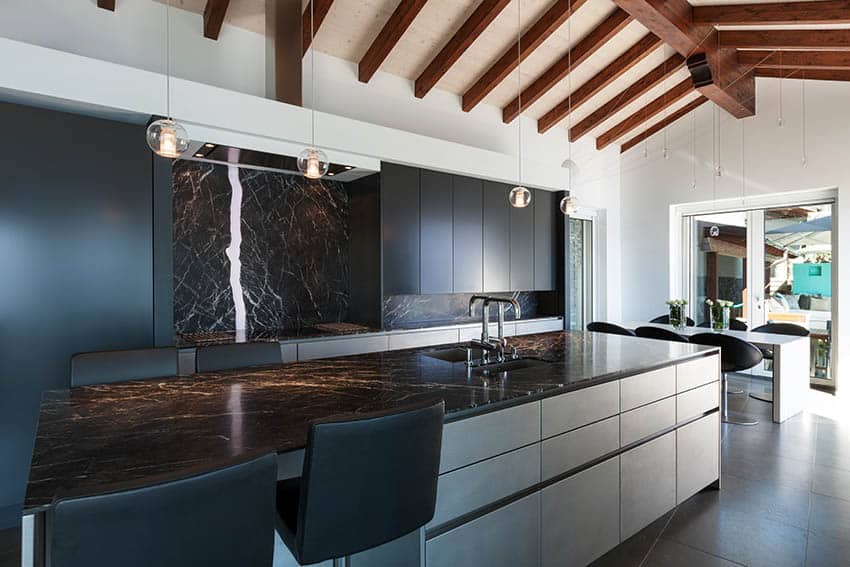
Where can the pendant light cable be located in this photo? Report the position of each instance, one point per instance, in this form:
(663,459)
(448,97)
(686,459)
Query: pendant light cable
(570,95)
(714,155)
(168,59)
(519,87)
(803,123)
(312,75)
(694,150)
(780,120)
(743,165)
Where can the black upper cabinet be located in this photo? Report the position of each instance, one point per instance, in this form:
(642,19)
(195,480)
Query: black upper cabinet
(522,247)
(400,219)
(497,237)
(468,235)
(436,213)
(546,209)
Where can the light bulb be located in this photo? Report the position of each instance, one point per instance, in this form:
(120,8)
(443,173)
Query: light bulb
(313,163)
(167,138)
(520,197)
(568,205)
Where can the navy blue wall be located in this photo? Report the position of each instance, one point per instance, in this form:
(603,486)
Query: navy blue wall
(76,245)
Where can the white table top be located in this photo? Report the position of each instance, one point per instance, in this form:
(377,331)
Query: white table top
(761,339)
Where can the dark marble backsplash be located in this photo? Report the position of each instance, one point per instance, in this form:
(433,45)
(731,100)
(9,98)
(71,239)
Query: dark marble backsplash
(413,311)
(294,255)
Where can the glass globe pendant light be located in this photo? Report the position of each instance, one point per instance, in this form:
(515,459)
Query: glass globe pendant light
(569,204)
(167,137)
(520,196)
(312,162)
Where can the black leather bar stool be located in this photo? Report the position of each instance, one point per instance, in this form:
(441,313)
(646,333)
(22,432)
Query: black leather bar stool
(735,355)
(109,366)
(767,353)
(665,320)
(609,328)
(237,355)
(219,518)
(661,334)
(366,481)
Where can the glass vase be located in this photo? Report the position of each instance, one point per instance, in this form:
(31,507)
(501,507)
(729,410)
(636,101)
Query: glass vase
(677,317)
(720,319)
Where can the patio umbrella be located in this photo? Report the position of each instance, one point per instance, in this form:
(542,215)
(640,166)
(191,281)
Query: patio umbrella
(823,224)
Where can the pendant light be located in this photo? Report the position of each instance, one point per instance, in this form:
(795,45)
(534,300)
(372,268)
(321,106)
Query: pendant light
(569,204)
(520,196)
(167,137)
(313,162)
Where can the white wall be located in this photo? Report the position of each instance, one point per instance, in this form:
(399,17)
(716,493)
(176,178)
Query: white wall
(772,164)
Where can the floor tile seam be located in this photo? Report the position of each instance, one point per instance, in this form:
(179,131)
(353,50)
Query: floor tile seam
(658,537)
(712,554)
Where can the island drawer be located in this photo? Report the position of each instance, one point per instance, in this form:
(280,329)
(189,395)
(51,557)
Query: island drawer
(423,339)
(646,420)
(341,347)
(575,409)
(467,489)
(531,327)
(478,438)
(696,402)
(697,456)
(575,448)
(697,372)
(646,388)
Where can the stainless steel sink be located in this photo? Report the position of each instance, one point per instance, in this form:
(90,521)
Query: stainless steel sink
(454,354)
(508,365)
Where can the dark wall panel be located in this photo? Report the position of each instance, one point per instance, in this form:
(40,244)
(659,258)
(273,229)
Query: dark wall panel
(497,237)
(468,235)
(400,228)
(436,232)
(546,207)
(76,246)
(522,247)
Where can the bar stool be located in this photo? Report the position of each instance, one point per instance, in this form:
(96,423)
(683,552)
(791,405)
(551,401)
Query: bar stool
(776,329)
(238,355)
(609,328)
(735,355)
(105,367)
(665,320)
(219,518)
(661,334)
(366,481)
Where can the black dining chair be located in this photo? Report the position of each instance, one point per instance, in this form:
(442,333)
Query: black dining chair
(366,480)
(105,367)
(734,325)
(220,518)
(609,328)
(665,320)
(659,333)
(238,355)
(776,329)
(735,355)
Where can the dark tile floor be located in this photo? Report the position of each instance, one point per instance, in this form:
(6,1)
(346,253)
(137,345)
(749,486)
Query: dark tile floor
(10,547)
(785,497)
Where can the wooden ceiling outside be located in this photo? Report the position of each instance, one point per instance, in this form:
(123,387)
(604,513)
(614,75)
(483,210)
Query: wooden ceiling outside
(616,70)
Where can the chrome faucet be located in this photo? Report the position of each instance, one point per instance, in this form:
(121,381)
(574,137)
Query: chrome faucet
(486,343)
(503,303)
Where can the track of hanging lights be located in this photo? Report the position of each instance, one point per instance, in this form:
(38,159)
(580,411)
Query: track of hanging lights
(312,162)
(167,137)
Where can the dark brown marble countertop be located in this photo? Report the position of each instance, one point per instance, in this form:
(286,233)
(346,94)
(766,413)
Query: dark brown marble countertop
(95,439)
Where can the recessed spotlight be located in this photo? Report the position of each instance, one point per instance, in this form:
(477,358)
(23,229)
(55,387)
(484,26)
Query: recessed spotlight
(208,145)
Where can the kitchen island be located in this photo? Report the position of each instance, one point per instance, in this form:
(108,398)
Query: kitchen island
(563,458)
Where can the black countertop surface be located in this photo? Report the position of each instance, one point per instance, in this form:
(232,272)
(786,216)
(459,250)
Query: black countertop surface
(95,439)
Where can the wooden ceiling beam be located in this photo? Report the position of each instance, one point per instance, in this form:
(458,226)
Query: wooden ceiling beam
(795,59)
(830,39)
(474,26)
(214,13)
(720,78)
(774,13)
(602,79)
(657,105)
(320,9)
(388,37)
(631,93)
(807,74)
(539,32)
(587,46)
(106,5)
(658,126)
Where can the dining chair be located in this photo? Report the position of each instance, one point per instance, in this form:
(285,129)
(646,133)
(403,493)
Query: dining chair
(609,328)
(659,333)
(665,320)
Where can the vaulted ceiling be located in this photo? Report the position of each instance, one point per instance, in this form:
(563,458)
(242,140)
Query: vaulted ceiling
(614,70)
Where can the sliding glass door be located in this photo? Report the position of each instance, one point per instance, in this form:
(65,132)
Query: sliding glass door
(580,272)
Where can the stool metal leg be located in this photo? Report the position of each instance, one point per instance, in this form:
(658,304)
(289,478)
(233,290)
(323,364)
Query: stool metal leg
(734,419)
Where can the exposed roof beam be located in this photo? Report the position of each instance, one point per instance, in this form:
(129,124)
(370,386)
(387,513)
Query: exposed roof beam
(319,9)
(599,81)
(539,32)
(214,13)
(106,4)
(388,37)
(785,39)
(795,59)
(659,104)
(589,45)
(627,96)
(658,126)
(722,80)
(774,13)
(808,74)
(474,25)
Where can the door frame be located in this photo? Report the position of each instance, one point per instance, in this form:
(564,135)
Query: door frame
(592,216)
